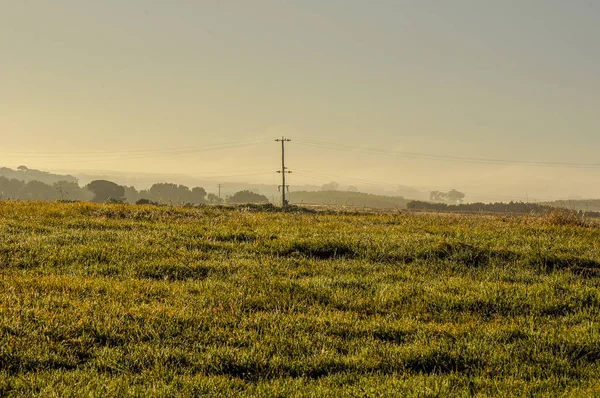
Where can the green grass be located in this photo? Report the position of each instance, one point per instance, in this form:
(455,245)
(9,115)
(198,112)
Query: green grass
(123,300)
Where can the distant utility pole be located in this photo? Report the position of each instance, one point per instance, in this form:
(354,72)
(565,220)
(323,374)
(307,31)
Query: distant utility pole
(220,185)
(283,171)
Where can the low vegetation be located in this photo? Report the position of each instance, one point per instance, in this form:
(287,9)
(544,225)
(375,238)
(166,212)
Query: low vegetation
(586,205)
(499,207)
(142,300)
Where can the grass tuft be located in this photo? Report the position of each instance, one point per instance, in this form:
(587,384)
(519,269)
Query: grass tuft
(322,250)
(565,217)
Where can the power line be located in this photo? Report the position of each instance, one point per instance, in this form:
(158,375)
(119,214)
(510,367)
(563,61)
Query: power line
(446,158)
(223,174)
(256,173)
(130,151)
(133,154)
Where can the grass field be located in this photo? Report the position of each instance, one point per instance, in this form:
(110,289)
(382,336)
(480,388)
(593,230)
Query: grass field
(124,300)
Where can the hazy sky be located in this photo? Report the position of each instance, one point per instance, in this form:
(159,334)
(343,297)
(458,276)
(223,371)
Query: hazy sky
(136,85)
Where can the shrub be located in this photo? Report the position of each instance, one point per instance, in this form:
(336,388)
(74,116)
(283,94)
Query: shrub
(115,201)
(145,202)
(248,197)
(565,217)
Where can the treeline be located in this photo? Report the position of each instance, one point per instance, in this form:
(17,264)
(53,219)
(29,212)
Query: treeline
(108,191)
(22,173)
(99,191)
(586,205)
(13,189)
(167,193)
(163,193)
(498,207)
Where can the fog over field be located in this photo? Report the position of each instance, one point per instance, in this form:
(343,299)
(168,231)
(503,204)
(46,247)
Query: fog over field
(495,99)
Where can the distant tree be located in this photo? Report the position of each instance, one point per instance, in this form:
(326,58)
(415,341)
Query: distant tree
(247,197)
(36,190)
(104,190)
(330,186)
(131,194)
(455,197)
(162,192)
(10,189)
(144,194)
(352,188)
(198,195)
(22,168)
(214,199)
(451,197)
(171,193)
(437,196)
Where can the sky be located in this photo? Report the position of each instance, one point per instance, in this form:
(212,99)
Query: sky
(419,93)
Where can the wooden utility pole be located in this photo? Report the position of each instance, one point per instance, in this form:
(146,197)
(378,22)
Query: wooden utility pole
(220,185)
(283,187)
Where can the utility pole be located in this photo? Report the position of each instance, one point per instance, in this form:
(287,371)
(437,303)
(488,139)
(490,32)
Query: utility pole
(283,187)
(220,185)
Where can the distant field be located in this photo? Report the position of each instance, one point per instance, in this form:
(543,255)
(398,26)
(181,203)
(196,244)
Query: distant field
(579,204)
(125,300)
(347,199)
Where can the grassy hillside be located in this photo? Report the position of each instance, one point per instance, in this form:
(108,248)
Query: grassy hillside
(123,300)
(346,198)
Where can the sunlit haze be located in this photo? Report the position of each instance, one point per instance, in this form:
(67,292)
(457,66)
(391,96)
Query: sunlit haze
(499,99)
